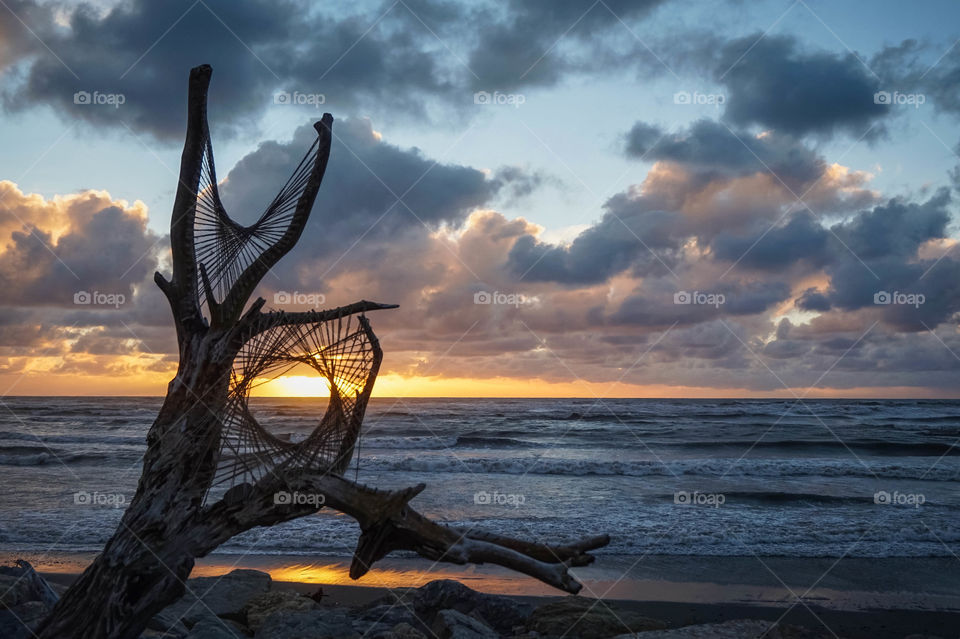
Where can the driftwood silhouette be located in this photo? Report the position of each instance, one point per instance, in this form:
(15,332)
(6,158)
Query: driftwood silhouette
(211,471)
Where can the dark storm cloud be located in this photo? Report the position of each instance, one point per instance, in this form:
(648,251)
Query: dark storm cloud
(896,228)
(710,147)
(800,238)
(521,48)
(623,238)
(771,82)
(257,48)
(645,232)
(363,181)
(656,304)
(126,52)
(372,53)
(922,68)
(813,300)
(373,193)
(880,257)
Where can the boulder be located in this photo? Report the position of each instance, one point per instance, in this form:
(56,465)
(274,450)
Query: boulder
(11,594)
(213,628)
(406,631)
(736,629)
(166,625)
(327,623)
(451,624)
(20,583)
(263,605)
(588,619)
(399,631)
(385,616)
(19,622)
(501,613)
(224,596)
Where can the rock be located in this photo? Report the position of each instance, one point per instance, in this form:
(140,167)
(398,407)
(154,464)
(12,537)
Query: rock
(588,619)
(406,631)
(165,624)
(212,628)
(225,596)
(20,583)
(451,624)
(736,629)
(327,623)
(263,605)
(399,631)
(501,613)
(10,592)
(383,617)
(19,622)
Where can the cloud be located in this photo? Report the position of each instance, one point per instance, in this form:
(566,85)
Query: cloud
(377,199)
(53,249)
(367,55)
(801,238)
(773,83)
(711,148)
(521,47)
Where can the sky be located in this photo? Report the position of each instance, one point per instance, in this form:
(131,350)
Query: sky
(596,198)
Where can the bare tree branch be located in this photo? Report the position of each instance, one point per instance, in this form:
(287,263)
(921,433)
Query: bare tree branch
(240,292)
(182,291)
(389,523)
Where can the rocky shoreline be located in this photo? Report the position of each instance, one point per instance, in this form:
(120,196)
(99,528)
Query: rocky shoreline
(247,604)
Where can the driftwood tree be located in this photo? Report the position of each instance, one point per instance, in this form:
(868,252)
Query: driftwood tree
(211,471)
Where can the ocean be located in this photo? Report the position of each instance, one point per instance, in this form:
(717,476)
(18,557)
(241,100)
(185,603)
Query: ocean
(701,478)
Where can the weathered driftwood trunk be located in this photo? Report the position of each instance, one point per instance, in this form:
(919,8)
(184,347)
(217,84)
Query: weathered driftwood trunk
(167,525)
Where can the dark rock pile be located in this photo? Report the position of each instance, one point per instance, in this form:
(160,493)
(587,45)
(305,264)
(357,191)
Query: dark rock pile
(244,605)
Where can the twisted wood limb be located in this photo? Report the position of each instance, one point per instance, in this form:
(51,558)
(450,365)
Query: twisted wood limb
(389,523)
